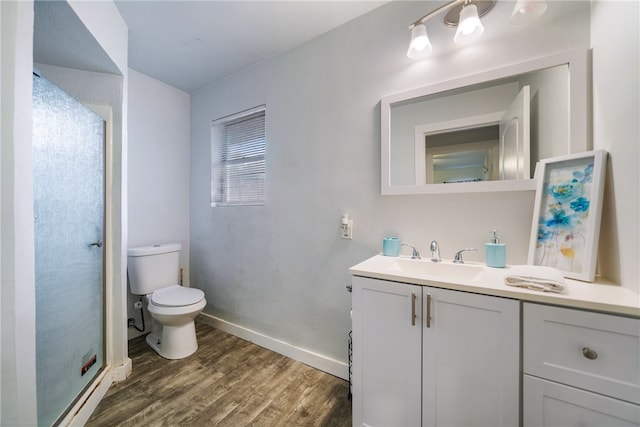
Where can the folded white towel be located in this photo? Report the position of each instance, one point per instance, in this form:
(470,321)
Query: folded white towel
(535,277)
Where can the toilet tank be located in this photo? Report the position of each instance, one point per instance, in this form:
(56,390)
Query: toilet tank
(153,267)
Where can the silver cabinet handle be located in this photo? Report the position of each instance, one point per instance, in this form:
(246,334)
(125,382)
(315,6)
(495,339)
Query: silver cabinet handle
(589,354)
(413,309)
(428,316)
(98,243)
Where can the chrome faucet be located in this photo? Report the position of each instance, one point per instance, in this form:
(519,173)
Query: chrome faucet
(458,257)
(435,251)
(414,254)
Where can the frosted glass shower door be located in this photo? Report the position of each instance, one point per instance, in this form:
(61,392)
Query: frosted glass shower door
(68,174)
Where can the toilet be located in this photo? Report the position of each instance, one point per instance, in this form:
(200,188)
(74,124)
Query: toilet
(153,272)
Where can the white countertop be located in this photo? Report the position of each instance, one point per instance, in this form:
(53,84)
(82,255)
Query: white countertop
(600,296)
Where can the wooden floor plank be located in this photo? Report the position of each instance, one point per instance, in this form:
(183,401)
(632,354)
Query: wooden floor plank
(227,382)
(262,396)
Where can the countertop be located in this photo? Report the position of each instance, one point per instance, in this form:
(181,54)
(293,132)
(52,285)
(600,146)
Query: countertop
(598,296)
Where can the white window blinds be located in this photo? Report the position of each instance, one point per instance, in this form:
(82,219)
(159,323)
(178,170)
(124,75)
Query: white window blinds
(238,146)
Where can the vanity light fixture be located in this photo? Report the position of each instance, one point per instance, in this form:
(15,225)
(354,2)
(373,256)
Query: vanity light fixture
(465,15)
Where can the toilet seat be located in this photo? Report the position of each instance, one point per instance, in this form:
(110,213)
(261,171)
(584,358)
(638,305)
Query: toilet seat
(176,296)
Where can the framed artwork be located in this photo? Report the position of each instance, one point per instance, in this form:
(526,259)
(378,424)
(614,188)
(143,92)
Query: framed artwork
(567,213)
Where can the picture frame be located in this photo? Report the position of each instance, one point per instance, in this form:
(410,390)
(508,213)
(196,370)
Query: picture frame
(567,213)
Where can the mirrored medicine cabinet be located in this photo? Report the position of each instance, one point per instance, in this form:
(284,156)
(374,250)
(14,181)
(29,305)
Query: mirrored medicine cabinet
(485,132)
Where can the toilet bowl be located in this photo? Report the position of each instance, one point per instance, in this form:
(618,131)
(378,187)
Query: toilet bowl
(174,308)
(153,272)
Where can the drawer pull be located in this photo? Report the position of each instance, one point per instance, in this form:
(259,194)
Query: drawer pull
(589,354)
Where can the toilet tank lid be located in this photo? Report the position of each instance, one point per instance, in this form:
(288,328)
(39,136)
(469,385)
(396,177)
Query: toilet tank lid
(154,249)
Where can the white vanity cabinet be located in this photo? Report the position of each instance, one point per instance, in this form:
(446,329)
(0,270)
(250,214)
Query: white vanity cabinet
(387,353)
(433,357)
(580,368)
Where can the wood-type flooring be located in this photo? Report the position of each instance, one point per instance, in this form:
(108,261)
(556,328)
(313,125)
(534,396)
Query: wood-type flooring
(227,382)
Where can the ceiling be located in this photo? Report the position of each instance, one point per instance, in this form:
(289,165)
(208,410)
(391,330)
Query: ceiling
(189,44)
(61,39)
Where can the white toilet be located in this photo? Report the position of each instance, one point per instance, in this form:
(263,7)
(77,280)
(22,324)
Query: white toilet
(153,272)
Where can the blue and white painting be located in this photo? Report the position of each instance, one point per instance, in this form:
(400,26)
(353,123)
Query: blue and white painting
(562,240)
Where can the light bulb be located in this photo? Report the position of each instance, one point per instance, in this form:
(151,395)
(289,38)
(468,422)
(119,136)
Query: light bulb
(420,46)
(469,26)
(420,43)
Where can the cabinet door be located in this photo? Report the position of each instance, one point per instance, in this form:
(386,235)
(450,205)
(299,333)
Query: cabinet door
(471,360)
(386,353)
(546,403)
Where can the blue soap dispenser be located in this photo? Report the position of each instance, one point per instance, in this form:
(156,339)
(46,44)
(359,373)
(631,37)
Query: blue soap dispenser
(495,252)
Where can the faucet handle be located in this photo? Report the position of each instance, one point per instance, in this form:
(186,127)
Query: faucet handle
(458,257)
(414,254)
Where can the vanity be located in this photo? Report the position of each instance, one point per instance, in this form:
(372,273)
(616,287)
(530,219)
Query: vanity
(443,344)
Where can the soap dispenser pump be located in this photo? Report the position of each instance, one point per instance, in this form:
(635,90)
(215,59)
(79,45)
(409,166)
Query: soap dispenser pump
(495,252)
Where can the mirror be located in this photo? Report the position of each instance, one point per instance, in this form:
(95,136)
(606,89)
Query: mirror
(487,131)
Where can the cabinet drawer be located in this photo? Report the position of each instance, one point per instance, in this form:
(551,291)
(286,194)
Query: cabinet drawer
(593,351)
(546,403)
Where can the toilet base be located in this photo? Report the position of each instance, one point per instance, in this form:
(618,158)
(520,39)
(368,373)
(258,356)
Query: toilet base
(176,342)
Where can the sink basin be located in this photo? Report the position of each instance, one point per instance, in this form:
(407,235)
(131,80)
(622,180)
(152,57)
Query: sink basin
(423,271)
(445,271)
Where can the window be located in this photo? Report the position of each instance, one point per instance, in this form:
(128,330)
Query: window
(238,146)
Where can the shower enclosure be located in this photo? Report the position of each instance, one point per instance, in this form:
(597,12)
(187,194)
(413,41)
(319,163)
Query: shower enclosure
(68,175)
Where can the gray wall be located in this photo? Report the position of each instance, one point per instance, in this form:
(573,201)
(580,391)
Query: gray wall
(158,172)
(281,269)
(615,38)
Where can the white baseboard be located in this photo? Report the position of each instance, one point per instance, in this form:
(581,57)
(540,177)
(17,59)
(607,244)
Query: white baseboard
(89,401)
(121,373)
(315,360)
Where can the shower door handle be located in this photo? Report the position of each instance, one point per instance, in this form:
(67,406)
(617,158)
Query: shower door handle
(98,243)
